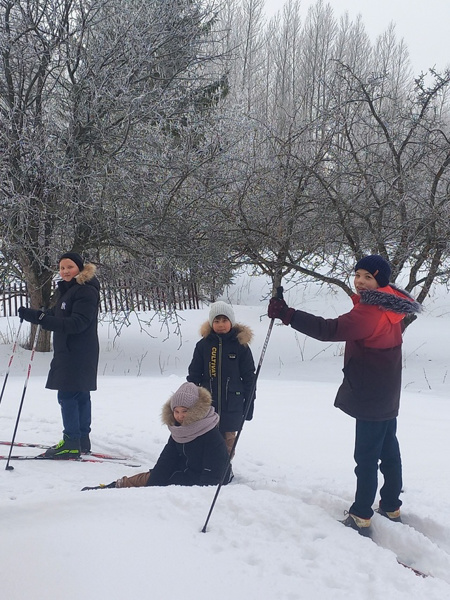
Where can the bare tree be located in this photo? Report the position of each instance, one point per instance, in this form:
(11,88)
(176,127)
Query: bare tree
(349,156)
(274,207)
(387,180)
(106,128)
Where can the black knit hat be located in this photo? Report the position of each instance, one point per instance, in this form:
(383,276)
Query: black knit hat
(377,266)
(74,257)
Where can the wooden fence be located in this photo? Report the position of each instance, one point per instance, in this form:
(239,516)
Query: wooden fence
(117,298)
(122,297)
(11,298)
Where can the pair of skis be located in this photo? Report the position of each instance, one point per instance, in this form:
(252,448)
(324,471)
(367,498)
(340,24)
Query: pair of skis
(91,457)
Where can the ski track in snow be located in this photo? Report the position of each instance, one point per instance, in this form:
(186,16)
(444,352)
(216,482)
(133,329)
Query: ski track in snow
(274,532)
(281,537)
(424,548)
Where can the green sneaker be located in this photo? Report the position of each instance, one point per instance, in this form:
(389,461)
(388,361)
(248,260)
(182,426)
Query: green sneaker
(85,444)
(64,450)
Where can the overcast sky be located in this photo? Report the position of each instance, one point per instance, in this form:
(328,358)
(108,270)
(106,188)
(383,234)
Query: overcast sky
(424,25)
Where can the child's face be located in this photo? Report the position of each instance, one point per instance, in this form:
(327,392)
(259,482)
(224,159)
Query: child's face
(179,414)
(364,281)
(221,324)
(68,269)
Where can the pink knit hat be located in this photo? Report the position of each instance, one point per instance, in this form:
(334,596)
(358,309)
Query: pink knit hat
(186,396)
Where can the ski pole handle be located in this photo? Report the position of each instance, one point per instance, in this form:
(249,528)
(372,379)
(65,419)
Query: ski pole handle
(280,291)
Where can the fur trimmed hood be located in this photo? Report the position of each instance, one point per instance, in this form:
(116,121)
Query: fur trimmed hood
(86,274)
(391,298)
(244,334)
(197,412)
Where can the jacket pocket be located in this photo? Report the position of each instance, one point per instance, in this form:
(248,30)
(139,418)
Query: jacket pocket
(235,397)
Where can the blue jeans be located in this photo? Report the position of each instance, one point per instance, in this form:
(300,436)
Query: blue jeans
(76,413)
(377,441)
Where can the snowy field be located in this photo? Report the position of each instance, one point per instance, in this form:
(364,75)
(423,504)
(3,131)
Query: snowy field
(274,532)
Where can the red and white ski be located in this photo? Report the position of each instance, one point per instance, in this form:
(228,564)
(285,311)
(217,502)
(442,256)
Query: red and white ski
(46,447)
(82,458)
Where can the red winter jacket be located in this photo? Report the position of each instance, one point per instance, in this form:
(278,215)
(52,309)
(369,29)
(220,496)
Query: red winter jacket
(372,331)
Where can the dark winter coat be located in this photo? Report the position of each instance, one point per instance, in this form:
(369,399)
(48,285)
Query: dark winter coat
(201,461)
(372,331)
(224,365)
(73,321)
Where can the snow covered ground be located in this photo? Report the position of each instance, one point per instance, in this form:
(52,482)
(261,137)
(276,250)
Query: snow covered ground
(273,534)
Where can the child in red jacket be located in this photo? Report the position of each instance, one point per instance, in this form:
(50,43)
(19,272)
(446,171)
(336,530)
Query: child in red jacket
(370,391)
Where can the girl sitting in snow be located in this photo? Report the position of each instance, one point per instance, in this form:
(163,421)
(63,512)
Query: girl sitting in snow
(195,454)
(370,391)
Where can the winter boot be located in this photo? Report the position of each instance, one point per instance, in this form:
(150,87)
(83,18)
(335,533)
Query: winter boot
(85,444)
(66,449)
(102,486)
(391,515)
(362,526)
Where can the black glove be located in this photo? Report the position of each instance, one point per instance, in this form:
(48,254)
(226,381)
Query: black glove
(30,315)
(278,309)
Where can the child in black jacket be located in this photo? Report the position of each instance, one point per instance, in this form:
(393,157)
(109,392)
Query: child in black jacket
(223,364)
(195,453)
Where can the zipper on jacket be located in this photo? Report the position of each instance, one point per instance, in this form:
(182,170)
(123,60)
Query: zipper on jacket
(219,377)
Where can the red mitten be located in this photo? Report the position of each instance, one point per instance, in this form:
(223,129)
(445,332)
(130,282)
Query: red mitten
(278,309)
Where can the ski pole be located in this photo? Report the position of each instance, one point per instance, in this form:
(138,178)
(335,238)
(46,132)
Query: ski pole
(36,336)
(16,340)
(247,408)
